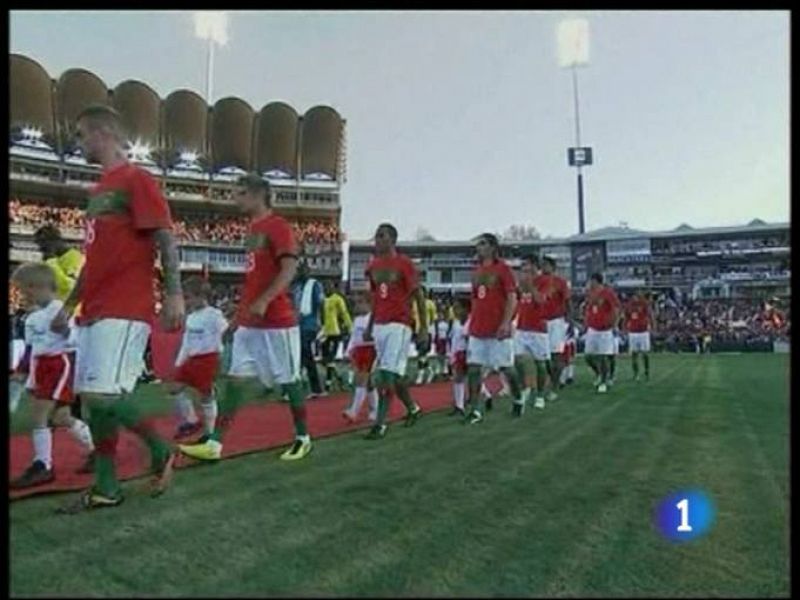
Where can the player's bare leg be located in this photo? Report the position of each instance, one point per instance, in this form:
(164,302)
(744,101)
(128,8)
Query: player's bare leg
(413,410)
(541,382)
(476,400)
(635,365)
(517,405)
(384,381)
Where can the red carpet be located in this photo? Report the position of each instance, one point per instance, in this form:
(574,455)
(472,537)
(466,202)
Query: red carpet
(254,428)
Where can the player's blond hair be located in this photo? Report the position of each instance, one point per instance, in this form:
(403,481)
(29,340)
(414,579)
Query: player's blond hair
(33,274)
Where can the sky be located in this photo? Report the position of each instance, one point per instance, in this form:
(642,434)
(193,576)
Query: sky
(459,122)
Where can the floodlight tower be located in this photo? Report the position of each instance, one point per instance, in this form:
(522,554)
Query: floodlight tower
(573,52)
(211,25)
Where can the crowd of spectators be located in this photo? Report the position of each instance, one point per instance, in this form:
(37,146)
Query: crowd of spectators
(198,228)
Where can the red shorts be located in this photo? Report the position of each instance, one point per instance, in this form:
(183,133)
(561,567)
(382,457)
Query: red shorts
(52,376)
(362,358)
(459,361)
(199,372)
(441,347)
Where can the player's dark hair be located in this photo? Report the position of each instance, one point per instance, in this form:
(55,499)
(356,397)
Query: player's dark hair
(462,301)
(598,277)
(255,184)
(531,258)
(550,261)
(47,233)
(197,286)
(391,229)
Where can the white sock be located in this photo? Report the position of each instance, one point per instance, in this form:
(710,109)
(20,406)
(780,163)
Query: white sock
(485,391)
(526,396)
(210,410)
(185,408)
(571,370)
(43,446)
(359,395)
(506,391)
(373,405)
(459,391)
(80,431)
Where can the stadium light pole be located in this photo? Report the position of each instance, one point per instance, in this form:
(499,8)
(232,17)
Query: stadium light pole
(212,26)
(573,50)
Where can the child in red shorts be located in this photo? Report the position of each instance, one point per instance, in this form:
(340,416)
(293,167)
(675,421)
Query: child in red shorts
(458,353)
(362,358)
(49,363)
(198,360)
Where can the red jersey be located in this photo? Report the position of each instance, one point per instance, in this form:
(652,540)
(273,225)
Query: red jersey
(393,280)
(491,287)
(269,239)
(637,315)
(555,290)
(124,209)
(600,306)
(531,313)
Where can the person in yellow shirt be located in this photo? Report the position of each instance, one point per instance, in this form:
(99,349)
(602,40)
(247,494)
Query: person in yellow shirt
(336,324)
(66,262)
(424,373)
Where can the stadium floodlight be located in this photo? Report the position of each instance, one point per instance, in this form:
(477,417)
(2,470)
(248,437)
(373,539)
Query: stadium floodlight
(573,52)
(188,157)
(211,25)
(31,133)
(573,43)
(139,151)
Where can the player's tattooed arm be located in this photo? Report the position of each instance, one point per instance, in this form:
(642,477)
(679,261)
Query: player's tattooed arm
(170,261)
(173,309)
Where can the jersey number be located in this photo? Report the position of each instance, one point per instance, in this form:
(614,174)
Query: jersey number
(90,234)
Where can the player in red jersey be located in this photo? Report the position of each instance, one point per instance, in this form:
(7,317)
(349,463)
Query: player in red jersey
(602,314)
(127,220)
(394,284)
(557,309)
(266,343)
(638,323)
(490,345)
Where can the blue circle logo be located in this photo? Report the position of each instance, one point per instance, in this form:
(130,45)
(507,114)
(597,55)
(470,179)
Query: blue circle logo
(685,515)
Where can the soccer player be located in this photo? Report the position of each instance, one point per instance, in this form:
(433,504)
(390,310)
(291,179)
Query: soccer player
(612,359)
(458,353)
(557,307)
(198,360)
(362,358)
(638,324)
(336,323)
(393,283)
(266,343)
(531,341)
(441,331)
(309,297)
(50,358)
(127,221)
(602,313)
(494,302)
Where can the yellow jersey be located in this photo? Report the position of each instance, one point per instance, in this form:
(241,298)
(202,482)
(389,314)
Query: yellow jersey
(334,308)
(66,268)
(430,310)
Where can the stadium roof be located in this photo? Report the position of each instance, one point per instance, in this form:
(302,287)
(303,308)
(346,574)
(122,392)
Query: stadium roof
(604,234)
(231,134)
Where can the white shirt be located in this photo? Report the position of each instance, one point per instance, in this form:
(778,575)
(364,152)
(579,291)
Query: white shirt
(442,329)
(203,333)
(38,335)
(458,337)
(357,336)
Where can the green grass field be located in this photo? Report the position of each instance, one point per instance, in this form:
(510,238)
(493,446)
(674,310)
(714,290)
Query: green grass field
(558,503)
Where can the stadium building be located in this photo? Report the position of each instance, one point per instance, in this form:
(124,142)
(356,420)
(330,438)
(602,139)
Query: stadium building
(749,261)
(196,152)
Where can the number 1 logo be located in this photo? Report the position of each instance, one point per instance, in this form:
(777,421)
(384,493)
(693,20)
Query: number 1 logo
(683,506)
